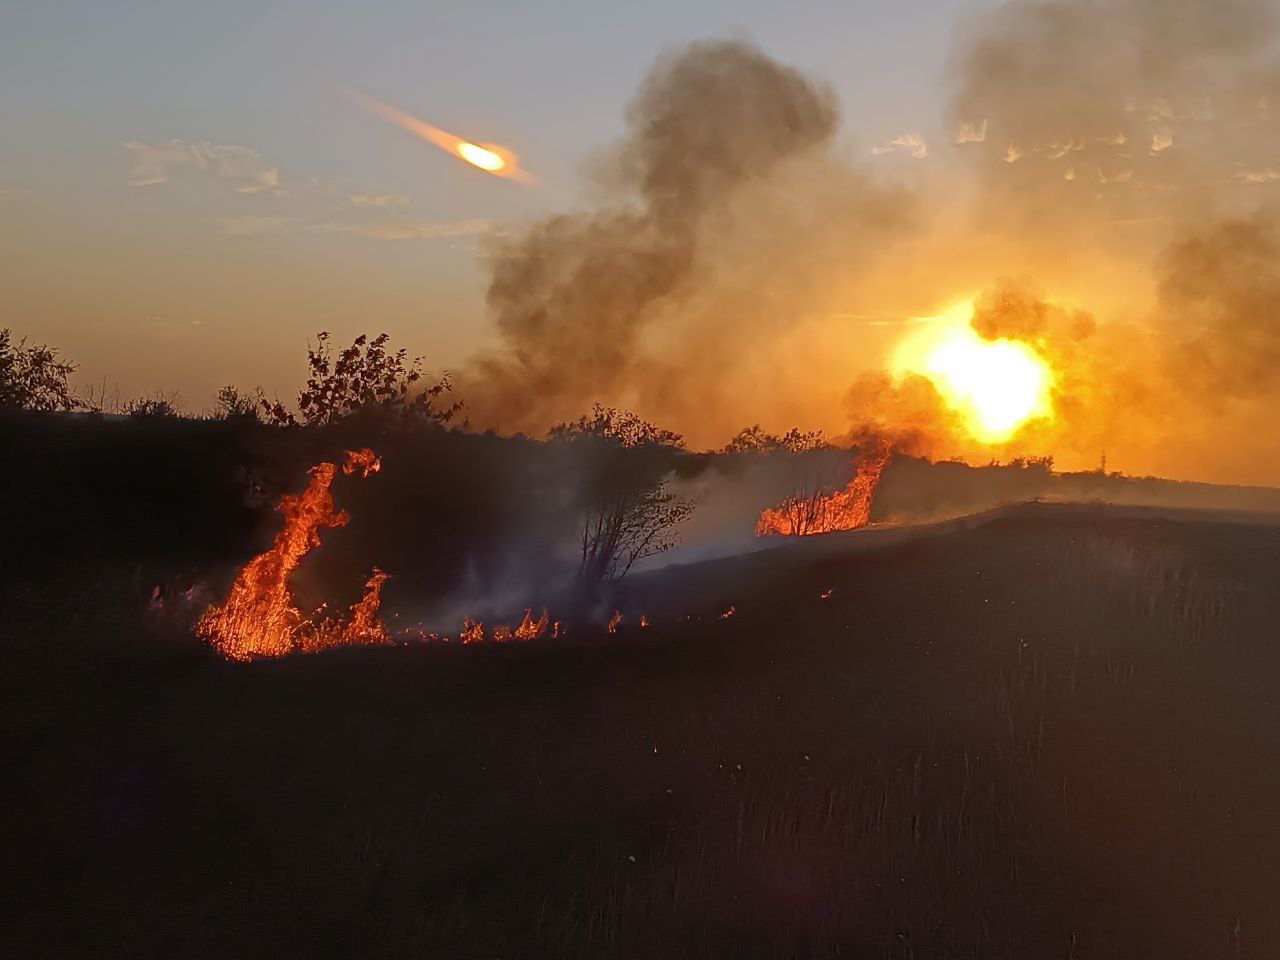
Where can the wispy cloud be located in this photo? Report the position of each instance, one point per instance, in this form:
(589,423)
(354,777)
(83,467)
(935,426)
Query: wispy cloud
(1056,151)
(913,143)
(971,133)
(299,205)
(378,199)
(252,226)
(151,164)
(1260,175)
(409,228)
(387,228)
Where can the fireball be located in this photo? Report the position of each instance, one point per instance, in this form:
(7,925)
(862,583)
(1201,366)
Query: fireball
(996,386)
(488,157)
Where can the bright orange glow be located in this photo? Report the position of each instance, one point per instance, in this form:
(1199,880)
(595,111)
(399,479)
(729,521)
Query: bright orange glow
(846,509)
(472,631)
(996,386)
(488,157)
(482,157)
(260,617)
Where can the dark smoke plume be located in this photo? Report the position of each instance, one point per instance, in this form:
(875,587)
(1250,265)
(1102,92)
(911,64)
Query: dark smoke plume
(574,297)
(1114,156)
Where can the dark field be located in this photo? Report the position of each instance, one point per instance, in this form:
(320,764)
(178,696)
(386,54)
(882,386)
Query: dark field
(1051,735)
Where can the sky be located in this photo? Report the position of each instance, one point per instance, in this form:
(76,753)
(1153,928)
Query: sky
(734,213)
(186,194)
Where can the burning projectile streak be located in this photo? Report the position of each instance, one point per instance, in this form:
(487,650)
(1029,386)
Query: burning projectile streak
(488,157)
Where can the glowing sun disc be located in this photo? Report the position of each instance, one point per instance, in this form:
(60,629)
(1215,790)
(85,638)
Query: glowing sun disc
(996,386)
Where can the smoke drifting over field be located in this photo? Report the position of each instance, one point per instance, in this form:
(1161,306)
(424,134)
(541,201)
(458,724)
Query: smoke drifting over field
(1102,193)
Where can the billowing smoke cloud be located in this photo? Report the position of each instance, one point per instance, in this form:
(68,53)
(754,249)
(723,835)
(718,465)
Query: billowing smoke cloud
(722,206)
(1123,163)
(1222,284)
(1117,112)
(1114,157)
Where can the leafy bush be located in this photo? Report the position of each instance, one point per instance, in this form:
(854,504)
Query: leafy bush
(33,378)
(363,377)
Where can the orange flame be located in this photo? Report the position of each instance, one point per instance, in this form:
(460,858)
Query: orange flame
(531,629)
(615,621)
(729,613)
(260,618)
(845,509)
(472,631)
(488,157)
(364,626)
(366,461)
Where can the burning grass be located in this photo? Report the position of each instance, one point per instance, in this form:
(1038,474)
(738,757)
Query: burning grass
(817,512)
(1046,735)
(260,617)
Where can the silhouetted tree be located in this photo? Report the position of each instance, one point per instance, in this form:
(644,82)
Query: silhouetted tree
(363,377)
(33,378)
(812,475)
(629,514)
(157,405)
(232,404)
(755,440)
(620,428)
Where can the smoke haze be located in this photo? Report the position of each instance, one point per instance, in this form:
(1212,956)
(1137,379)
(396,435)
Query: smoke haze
(1102,195)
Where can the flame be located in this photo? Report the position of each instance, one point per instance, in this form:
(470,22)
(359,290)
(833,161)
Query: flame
(996,386)
(531,629)
(488,157)
(363,627)
(729,613)
(366,461)
(472,631)
(259,617)
(615,621)
(644,622)
(845,509)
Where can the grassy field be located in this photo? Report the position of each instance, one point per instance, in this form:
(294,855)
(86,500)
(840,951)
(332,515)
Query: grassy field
(1054,735)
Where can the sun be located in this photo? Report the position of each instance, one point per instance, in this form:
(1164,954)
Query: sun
(996,386)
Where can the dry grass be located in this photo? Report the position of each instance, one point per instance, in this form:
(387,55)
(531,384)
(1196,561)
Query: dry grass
(1042,738)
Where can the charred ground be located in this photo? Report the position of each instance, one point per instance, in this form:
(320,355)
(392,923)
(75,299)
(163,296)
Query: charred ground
(1051,733)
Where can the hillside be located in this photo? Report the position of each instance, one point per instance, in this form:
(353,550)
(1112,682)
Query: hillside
(1048,734)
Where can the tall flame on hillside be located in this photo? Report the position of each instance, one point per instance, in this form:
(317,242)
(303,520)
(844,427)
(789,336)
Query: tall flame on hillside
(260,617)
(846,509)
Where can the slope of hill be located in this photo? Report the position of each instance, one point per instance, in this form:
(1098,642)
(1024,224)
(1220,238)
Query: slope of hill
(1050,734)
